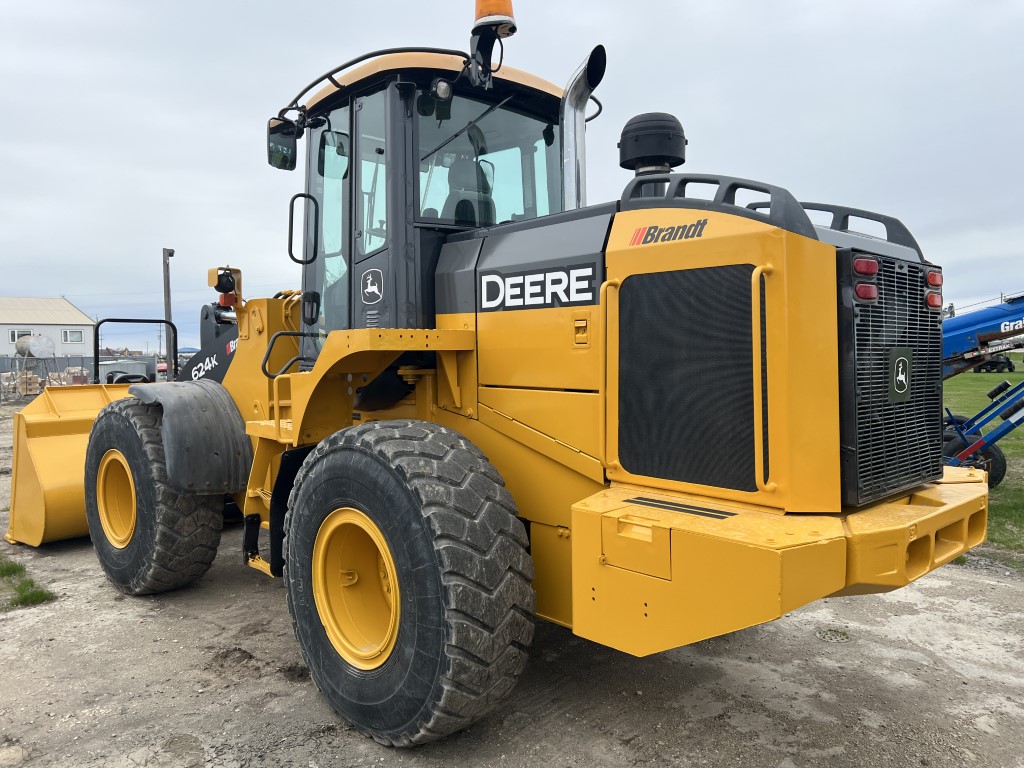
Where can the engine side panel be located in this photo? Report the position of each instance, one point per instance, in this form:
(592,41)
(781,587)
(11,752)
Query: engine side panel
(538,290)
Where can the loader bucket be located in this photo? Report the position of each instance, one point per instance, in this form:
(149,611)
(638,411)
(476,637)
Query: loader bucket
(50,437)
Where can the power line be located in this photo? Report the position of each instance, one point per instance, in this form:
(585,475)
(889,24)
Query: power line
(187,292)
(1001,298)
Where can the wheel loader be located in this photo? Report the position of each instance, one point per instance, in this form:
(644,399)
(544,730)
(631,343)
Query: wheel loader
(654,420)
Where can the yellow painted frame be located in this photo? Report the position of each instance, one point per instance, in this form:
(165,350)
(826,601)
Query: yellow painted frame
(800,334)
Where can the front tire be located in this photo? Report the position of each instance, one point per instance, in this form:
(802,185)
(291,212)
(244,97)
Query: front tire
(148,538)
(408,580)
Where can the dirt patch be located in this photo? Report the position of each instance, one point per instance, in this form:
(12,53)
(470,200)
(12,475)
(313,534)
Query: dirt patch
(211,675)
(295,673)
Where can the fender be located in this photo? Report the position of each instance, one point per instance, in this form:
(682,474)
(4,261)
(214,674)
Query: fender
(205,444)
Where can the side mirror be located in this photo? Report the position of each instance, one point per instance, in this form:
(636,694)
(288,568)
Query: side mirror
(282,136)
(333,155)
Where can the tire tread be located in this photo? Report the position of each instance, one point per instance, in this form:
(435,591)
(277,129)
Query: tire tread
(188,528)
(480,547)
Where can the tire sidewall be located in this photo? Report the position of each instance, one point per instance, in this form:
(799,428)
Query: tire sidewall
(127,566)
(992,455)
(949,431)
(997,465)
(411,674)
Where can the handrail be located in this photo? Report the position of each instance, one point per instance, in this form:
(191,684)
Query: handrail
(329,76)
(96,341)
(755,327)
(291,228)
(602,422)
(290,363)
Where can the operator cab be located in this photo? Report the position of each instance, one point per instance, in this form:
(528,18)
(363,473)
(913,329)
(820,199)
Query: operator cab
(401,153)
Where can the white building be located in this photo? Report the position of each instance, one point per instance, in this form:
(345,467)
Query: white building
(68,327)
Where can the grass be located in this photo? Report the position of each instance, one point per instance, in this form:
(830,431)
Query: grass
(10,568)
(16,589)
(965,395)
(26,593)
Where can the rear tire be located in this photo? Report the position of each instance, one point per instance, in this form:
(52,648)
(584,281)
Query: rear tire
(996,464)
(437,634)
(958,419)
(148,538)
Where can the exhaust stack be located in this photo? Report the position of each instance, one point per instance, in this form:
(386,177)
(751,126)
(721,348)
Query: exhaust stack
(572,121)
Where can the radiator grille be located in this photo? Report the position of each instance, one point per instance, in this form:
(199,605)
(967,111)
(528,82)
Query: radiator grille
(897,444)
(686,397)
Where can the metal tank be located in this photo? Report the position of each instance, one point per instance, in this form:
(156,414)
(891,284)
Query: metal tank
(35,346)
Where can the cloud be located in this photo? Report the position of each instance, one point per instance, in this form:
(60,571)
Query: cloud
(130,127)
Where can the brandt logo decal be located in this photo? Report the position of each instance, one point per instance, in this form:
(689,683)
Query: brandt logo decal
(371,281)
(656,234)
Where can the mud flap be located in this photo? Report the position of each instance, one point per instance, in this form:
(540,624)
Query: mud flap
(48,485)
(205,445)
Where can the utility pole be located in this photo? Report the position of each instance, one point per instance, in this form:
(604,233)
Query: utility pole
(168,252)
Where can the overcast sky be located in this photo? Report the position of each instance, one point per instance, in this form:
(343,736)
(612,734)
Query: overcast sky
(133,126)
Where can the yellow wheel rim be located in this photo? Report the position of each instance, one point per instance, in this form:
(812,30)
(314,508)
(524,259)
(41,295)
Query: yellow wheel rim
(355,588)
(115,498)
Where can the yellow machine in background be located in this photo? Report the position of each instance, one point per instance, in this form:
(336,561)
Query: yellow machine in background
(653,420)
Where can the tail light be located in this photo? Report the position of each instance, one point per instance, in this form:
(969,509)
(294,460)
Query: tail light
(867,291)
(866,267)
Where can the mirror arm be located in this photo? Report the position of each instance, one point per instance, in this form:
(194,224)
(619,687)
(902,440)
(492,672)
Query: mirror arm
(300,118)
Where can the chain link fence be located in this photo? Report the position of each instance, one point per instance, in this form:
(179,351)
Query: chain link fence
(23,378)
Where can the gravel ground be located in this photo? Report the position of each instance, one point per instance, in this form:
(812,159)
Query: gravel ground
(931,675)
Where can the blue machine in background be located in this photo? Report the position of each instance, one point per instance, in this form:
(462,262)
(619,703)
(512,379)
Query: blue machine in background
(971,340)
(975,341)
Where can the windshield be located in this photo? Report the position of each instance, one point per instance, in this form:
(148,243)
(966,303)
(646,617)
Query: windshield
(483,163)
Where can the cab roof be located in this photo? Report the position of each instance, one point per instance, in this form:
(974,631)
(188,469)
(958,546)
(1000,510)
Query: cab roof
(396,62)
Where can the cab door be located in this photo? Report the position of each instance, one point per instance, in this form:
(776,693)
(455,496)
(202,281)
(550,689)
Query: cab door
(328,240)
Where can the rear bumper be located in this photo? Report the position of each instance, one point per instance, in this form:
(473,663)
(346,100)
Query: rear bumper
(890,545)
(654,570)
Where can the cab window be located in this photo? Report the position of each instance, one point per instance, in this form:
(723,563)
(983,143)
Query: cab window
(483,163)
(372,231)
(328,223)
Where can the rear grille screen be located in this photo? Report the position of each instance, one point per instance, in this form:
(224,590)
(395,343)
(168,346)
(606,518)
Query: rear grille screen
(686,410)
(892,440)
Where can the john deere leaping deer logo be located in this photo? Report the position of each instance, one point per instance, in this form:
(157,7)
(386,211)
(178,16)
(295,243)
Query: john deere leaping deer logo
(899,380)
(372,280)
(901,363)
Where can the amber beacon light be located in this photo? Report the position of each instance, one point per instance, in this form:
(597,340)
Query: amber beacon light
(496,14)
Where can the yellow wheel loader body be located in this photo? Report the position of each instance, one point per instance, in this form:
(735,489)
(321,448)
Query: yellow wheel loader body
(690,404)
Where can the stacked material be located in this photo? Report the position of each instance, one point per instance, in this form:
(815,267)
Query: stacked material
(76,375)
(26,383)
(72,375)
